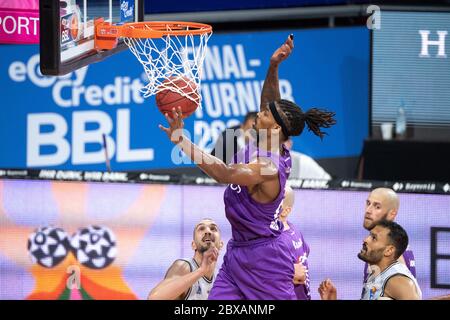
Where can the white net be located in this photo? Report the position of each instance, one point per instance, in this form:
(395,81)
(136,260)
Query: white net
(172,62)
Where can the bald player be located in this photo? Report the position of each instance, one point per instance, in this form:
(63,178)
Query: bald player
(298,246)
(383,204)
(192,279)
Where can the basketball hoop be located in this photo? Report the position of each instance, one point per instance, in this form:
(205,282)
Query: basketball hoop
(166,49)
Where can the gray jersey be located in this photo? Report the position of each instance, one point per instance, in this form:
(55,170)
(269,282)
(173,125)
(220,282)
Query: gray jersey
(375,283)
(201,288)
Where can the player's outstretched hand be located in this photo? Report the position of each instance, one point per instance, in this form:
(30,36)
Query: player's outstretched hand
(327,290)
(284,51)
(176,125)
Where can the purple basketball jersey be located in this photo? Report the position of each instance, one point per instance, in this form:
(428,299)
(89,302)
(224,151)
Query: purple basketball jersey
(301,252)
(250,219)
(258,263)
(410,263)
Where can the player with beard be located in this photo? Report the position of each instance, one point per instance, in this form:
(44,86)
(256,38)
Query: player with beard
(383,204)
(192,279)
(391,279)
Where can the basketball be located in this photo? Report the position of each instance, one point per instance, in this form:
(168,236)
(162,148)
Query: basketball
(169,96)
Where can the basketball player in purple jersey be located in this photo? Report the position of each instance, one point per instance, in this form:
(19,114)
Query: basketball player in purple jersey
(383,204)
(299,246)
(258,264)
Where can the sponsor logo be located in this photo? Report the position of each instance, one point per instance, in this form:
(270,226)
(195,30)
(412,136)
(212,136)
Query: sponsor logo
(427,43)
(70,91)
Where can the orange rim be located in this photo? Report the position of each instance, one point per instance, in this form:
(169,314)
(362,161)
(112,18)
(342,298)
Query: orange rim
(153,29)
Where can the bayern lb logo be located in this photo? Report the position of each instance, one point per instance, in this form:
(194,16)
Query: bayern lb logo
(94,247)
(48,246)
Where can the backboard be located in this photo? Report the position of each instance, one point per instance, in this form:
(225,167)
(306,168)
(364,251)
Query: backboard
(67,31)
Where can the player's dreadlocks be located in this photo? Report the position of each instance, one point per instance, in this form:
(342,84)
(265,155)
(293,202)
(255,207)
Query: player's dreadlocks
(295,119)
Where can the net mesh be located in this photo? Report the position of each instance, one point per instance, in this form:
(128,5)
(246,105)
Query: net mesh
(168,59)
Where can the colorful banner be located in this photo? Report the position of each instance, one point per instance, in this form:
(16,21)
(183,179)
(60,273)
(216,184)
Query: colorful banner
(58,122)
(79,240)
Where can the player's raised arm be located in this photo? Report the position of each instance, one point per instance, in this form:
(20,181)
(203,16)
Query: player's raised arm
(271,87)
(243,174)
(176,283)
(179,278)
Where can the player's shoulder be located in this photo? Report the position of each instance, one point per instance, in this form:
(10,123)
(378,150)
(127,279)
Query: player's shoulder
(179,267)
(398,286)
(400,279)
(182,264)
